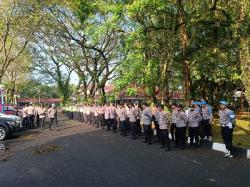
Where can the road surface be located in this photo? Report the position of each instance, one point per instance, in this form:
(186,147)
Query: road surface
(82,155)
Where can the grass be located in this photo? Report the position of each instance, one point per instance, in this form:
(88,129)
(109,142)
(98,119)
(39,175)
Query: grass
(241,133)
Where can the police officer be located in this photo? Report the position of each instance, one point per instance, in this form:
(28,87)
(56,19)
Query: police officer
(227,118)
(96,119)
(25,119)
(31,115)
(42,116)
(132,121)
(155,112)
(101,112)
(173,124)
(206,121)
(181,125)
(194,118)
(146,121)
(163,122)
(107,117)
(37,108)
(52,114)
(112,116)
(138,124)
(122,119)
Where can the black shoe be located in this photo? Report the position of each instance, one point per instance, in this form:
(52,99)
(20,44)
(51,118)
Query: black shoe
(168,149)
(162,147)
(149,143)
(145,141)
(176,145)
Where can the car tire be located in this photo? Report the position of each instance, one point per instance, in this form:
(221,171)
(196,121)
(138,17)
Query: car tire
(3,133)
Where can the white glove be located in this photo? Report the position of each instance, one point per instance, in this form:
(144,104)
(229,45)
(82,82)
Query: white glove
(230,125)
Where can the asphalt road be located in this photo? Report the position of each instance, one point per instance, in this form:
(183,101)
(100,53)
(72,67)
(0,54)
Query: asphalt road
(94,157)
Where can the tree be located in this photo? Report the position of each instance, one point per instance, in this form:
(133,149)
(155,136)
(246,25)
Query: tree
(19,20)
(92,32)
(49,60)
(16,75)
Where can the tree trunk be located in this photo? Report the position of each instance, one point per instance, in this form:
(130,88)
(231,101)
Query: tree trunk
(183,37)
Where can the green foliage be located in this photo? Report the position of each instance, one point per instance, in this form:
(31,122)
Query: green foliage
(197,47)
(215,38)
(35,89)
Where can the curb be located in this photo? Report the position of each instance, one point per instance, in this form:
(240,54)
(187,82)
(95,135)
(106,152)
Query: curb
(240,152)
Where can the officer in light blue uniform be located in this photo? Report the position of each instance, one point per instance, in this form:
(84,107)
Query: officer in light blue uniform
(227,118)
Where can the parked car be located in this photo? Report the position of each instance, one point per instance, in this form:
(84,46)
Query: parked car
(13,117)
(10,110)
(8,125)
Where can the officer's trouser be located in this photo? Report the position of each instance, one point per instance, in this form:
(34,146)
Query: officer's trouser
(147,132)
(52,121)
(107,123)
(25,122)
(82,117)
(96,121)
(193,134)
(133,129)
(138,129)
(31,120)
(227,136)
(101,120)
(124,127)
(205,128)
(164,137)
(157,130)
(113,124)
(173,130)
(180,136)
(37,120)
(42,122)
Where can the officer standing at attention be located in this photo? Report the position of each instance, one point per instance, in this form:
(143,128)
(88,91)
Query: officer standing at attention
(42,116)
(181,126)
(132,121)
(122,118)
(112,117)
(227,118)
(194,118)
(138,124)
(31,115)
(155,112)
(146,121)
(107,117)
(163,122)
(37,108)
(206,122)
(52,114)
(173,124)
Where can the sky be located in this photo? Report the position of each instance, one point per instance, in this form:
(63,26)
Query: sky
(74,78)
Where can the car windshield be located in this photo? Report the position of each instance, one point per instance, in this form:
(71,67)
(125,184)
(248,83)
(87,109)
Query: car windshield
(9,108)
